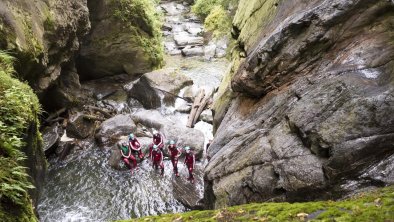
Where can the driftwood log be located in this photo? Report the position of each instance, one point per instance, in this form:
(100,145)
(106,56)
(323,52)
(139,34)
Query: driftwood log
(198,106)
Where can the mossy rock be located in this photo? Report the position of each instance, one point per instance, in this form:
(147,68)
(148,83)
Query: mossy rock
(377,205)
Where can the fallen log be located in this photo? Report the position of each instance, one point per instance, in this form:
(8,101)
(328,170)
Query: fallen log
(92,118)
(55,114)
(102,111)
(195,106)
(201,107)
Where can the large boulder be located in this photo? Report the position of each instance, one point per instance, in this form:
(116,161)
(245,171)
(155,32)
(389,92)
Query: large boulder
(125,38)
(313,106)
(153,88)
(112,130)
(172,130)
(43,35)
(79,126)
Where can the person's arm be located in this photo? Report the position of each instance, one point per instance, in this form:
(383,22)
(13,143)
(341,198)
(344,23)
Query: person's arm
(194,160)
(179,153)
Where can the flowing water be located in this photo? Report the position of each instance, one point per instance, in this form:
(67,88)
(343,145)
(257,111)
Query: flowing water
(85,188)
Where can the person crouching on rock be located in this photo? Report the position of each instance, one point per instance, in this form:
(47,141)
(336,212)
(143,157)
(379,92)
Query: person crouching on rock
(174,153)
(158,139)
(126,156)
(190,160)
(156,156)
(135,146)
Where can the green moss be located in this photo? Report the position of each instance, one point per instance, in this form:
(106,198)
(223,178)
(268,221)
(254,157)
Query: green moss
(376,205)
(218,22)
(142,14)
(19,107)
(252,16)
(217,15)
(203,8)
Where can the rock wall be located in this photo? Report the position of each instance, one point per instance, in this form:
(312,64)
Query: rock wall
(125,38)
(43,35)
(307,110)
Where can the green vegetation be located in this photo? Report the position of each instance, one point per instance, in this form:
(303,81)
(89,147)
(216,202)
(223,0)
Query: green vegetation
(217,15)
(19,107)
(375,205)
(141,17)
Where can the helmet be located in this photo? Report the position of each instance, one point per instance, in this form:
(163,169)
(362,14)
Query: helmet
(155,147)
(155,132)
(131,136)
(172,142)
(187,149)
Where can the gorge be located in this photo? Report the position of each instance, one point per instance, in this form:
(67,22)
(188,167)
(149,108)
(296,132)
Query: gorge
(303,111)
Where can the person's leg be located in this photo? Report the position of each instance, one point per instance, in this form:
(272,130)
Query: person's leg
(162,168)
(191,177)
(176,166)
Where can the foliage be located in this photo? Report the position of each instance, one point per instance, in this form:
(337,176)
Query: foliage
(375,205)
(202,8)
(19,107)
(142,14)
(217,15)
(218,22)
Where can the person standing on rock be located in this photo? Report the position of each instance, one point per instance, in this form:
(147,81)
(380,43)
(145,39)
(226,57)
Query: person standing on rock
(125,151)
(190,161)
(156,156)
(174,154)
(135,146)
(158,139)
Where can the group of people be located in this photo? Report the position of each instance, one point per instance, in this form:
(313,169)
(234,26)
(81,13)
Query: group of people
(131,150)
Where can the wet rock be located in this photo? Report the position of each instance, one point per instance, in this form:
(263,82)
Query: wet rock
(178,29)
(186,108)
(184,40)
(113,129)
(304,120)
(166,27)
(207,116)
(79,127)
(154,88)
(209,51)
(221,48)
(187,193)
(172,130)
(50,137)
(118,107)
(192,51)
(64,149)
(134,104)
(172,8)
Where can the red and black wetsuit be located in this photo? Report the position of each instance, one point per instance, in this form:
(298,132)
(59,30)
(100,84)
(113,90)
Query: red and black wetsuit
(174,153)
(126,156)
(190,161)
(156,157)
(136,147)
(158,140)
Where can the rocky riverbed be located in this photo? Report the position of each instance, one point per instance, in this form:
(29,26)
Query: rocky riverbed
(87,179)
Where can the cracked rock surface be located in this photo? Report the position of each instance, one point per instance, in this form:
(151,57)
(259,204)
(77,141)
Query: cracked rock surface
(312,104)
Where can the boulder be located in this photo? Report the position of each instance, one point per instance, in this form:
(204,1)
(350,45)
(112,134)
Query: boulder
(121,40)
(186,108)
(311,112)
(184,40)
(113,129)
(209,51)
(50,137)
(154,88)
(172,130)
(186,193)
(79,127)
(193,51)
(207,116)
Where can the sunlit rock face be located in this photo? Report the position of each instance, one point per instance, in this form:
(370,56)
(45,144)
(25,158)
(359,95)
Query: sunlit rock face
(310,104)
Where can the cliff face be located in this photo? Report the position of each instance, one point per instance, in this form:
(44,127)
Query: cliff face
(309,111)
(43,35)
